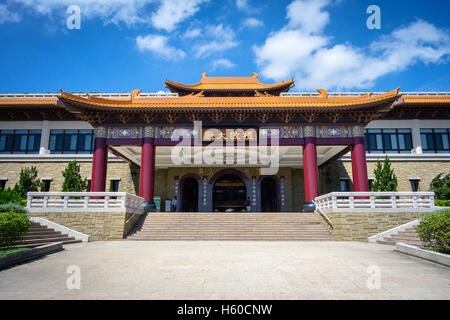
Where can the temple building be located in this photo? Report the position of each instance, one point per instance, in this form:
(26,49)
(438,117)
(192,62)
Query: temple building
(322,141)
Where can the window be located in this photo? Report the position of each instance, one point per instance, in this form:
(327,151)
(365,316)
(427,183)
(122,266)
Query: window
(3,183)
(20,141)
(88,185)
(388,140)
(345,184)
(435,140)
(114,186)
(414,184)
(46,184)
(370,184)
(71,141)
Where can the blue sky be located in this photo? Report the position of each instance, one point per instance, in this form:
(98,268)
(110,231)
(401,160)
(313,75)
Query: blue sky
(127,44)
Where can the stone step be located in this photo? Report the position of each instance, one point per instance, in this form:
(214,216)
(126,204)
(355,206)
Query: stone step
(231,226)
(37,244)
(55,239)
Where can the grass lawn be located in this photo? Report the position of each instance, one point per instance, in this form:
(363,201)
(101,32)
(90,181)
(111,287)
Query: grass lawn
(3,252)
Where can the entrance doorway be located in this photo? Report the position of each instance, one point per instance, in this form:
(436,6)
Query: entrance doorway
(229,193)
(269,195)
(189,201)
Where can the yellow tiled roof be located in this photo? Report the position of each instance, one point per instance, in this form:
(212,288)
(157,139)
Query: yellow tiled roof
(230,102)
(229,83)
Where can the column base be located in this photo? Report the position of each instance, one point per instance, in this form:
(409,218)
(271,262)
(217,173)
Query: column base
(149,206)
(309,206)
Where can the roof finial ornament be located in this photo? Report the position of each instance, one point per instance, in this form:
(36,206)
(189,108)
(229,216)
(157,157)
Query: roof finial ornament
(255,75)
(204,75)
(134,94)
(323,93)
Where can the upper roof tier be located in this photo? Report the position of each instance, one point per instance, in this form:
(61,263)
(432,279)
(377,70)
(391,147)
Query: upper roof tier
(229,86)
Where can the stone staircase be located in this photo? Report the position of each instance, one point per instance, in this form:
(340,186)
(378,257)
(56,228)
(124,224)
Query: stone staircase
(230,226)
(40,235)
(408,236)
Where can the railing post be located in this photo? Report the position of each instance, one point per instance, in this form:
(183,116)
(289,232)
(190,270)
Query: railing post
(432,201)
(334,201)
(29,198)
(107,201)
(66,202)
(414,197)
(86,202)
(394,201)
(45,204)
(124,201)
(352,201)
(372,202)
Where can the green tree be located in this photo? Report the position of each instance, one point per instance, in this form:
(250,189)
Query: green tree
(385,179)
(441,186)
(28,181)
(73,182)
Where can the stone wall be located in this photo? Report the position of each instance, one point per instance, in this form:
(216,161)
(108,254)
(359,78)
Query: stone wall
(358,226)
(425,170)
(98,225)
(129,176)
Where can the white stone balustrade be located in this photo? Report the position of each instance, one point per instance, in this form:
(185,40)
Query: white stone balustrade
(84,202)
(376,202)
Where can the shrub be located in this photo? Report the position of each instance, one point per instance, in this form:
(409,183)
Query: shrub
(385,179)
(12,207)
(12,228)
(442,203)
(73,182)
(434,230)
(28,181)
(9,195)
(441,186)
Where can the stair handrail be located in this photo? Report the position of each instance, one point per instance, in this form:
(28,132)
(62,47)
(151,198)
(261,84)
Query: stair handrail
(323,214)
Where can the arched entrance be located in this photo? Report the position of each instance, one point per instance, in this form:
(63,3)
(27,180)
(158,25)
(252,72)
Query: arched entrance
(189,195)
(269,195)
(229,193)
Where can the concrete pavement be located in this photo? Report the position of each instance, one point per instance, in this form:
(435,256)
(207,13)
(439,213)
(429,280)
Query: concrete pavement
(227,270)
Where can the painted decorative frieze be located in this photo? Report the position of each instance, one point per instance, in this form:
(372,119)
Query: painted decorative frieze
(149,132)
(100,132)
(358,131)
(333,132)
(124,133)
(309,131)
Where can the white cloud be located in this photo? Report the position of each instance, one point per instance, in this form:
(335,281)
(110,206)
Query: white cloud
(222,63)
(8,16)
(252,23)
(192,33)
(220,38)
(242,4)
(308,15)
(162,14)
(172,12)
(302,50)
(129,12)
(158,45)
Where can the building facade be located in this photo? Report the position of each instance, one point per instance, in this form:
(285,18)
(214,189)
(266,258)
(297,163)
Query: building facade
(285,148)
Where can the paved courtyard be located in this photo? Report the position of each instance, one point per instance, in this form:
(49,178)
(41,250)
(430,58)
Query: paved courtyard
(227,270)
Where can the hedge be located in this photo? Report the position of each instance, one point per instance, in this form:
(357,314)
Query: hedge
(434,230)
(442,203)
(12,228)
(12,207)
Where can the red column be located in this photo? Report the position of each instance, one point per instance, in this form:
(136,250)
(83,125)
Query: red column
(310,173)
(359,165)
(99,162)
(147,183)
